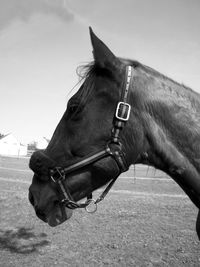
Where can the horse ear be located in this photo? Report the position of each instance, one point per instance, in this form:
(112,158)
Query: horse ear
(102,54)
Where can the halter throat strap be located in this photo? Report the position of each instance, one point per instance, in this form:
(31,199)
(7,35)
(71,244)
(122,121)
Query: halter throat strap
(113,149)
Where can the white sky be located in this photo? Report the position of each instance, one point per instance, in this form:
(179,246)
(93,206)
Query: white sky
(43,41)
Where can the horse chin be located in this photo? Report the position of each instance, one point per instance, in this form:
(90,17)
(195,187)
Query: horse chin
(58,215)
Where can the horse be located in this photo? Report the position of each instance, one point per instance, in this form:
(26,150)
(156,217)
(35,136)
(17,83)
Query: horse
(124,113)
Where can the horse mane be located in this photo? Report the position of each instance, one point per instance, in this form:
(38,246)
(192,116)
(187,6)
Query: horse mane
(89,71)
(91,68)
(137,64)
(182,91)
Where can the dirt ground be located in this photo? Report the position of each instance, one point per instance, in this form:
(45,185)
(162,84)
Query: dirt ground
(142,222)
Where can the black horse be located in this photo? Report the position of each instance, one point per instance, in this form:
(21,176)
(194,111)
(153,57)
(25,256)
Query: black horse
(124,113)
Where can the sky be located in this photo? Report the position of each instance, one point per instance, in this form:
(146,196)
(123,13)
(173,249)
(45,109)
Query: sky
(42,42)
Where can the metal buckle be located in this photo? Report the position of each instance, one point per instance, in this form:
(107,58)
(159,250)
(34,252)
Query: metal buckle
(124,109)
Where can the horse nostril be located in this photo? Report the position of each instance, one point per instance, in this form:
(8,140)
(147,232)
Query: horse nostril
(31,198)
(40,214)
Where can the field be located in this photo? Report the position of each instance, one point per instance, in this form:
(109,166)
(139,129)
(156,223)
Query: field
(146,220)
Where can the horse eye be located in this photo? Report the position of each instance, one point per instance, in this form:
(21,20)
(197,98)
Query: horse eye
(73,108)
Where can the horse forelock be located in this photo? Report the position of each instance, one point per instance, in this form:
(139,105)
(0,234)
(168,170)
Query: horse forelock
(88,75)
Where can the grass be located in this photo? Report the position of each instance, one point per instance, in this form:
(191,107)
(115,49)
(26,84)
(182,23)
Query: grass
(137,228)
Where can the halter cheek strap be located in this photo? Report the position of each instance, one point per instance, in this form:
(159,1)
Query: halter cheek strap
(113,149)
(123,109)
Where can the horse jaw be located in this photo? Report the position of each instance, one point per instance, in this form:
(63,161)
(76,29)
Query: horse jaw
(58,215)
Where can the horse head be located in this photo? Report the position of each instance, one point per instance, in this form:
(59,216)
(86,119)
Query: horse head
(63,172)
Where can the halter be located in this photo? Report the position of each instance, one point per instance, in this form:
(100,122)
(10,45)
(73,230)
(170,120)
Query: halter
(113,149)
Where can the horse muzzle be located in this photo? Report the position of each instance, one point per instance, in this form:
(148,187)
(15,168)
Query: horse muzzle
(52,212)
(58,215)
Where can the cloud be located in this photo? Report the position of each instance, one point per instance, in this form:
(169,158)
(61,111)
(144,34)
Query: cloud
(11,10)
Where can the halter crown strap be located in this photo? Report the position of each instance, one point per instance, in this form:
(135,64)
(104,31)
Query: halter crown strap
(123,109)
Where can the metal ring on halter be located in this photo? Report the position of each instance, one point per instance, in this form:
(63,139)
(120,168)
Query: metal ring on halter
(94,205)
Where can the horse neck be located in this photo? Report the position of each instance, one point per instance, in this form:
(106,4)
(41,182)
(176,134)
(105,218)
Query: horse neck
(168,114)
